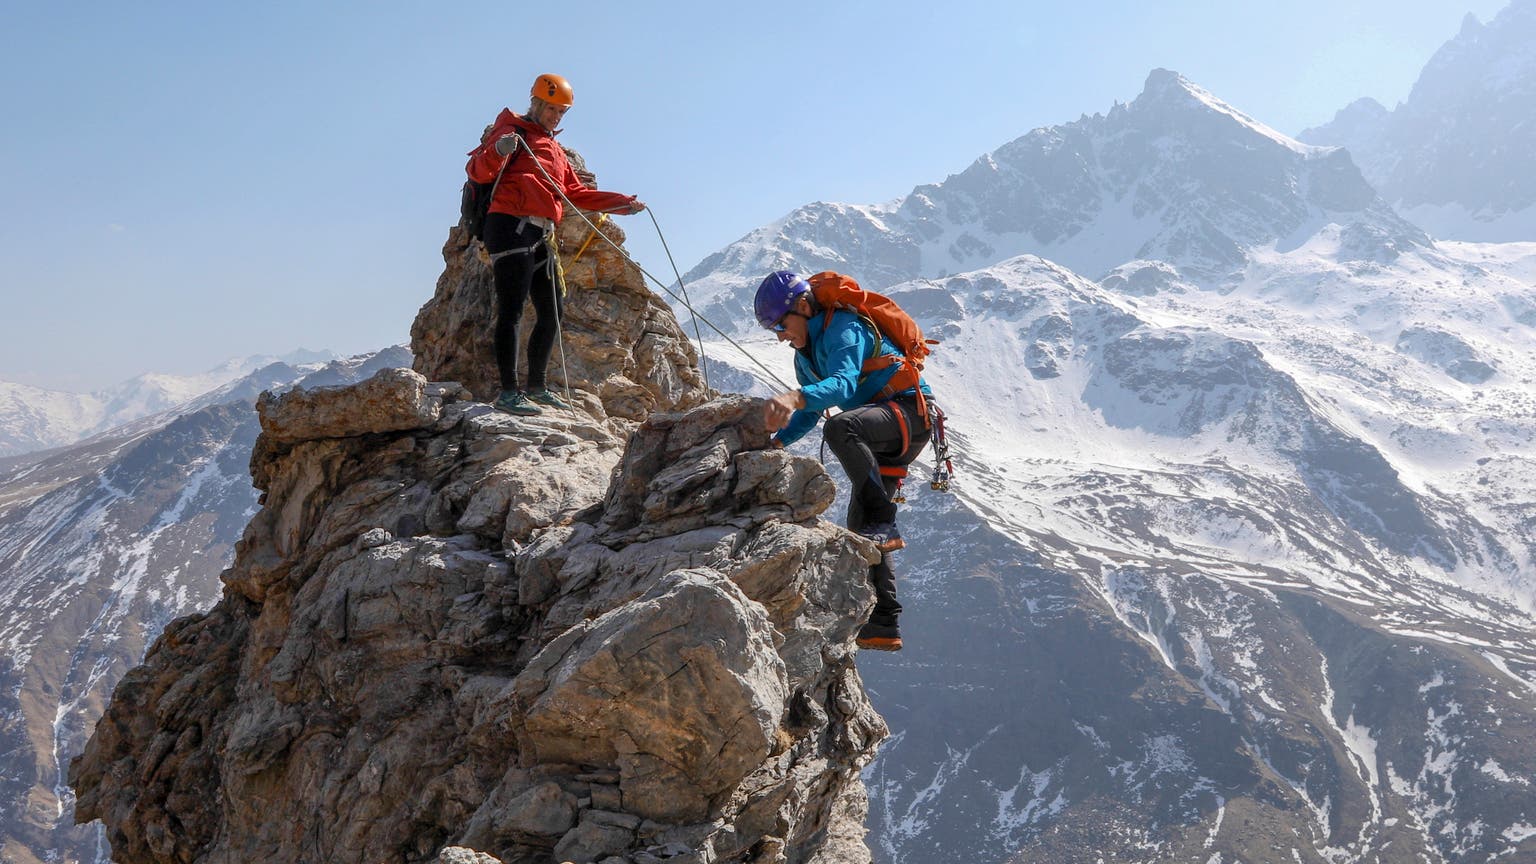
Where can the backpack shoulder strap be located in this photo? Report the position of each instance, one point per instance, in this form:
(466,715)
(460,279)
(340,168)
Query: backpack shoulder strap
(877,338)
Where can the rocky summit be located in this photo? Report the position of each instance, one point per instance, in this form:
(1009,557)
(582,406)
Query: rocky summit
(618,633)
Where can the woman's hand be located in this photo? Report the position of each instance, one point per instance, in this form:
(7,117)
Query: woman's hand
(777,409)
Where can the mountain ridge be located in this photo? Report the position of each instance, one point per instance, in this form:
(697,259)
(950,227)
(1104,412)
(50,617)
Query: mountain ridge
(1077,194)
(1454,156)
(36,418)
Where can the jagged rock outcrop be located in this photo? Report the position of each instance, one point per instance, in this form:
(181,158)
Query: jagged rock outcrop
(560,638)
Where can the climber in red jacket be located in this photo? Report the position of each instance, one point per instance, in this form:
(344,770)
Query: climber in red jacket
(520,155)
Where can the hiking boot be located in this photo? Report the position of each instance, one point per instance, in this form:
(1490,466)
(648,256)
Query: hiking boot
(884,535)
(515,402)
(879,637)
(548,397)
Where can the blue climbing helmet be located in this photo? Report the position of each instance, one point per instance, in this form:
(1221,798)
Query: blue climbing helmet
(776,295)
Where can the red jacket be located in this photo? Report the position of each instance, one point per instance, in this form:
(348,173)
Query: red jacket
(523,191)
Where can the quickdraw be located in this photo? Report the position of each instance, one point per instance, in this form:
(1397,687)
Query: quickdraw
(591,235)
(942,468)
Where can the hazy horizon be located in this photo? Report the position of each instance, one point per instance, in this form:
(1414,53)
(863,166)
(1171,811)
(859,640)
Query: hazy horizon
(189,184)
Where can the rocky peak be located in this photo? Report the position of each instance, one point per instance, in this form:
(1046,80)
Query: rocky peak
(1358,118)
(1454,156)
(614,634)
(1167,90)
(1177,176)
(622,351)
(1172,106)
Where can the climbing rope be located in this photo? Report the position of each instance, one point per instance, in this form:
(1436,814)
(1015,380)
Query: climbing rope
(703,366)
(557,274)
(646,273)
(942,468)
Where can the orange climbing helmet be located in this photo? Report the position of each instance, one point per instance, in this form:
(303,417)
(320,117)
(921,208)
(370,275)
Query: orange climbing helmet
(553,89)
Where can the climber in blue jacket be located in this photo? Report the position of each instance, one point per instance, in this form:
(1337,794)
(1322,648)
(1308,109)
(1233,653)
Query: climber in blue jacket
(874,438)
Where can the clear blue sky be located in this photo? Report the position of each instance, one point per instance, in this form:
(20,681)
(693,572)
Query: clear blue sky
(181,183)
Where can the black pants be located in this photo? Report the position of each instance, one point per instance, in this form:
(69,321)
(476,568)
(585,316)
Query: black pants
(866,439)
(519,276)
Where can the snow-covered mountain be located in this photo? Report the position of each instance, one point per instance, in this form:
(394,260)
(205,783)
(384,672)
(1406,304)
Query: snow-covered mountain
(102,544)
(1240,564)
(1224,574)
(1177,175)
(1456,157)
(34,418)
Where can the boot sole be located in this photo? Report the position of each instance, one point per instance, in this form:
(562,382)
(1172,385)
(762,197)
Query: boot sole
(880,643)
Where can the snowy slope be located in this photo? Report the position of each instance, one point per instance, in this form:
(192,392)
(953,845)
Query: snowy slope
(1342,394)
(32,418)
(1191,535)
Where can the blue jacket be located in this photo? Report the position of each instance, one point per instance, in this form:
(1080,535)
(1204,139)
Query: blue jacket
(828,371)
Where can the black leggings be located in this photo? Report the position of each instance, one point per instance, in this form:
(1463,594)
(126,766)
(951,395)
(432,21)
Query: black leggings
(519,276)
(865,440)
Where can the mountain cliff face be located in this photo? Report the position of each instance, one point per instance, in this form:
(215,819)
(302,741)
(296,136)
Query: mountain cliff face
(1455,157)
(566,637)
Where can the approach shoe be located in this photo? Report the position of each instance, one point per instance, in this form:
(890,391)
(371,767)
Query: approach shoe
(516,402)
(548,397)
(884,535)
(879,637)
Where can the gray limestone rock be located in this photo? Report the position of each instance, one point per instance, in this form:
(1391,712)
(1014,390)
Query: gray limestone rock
(594,839)
(392,400)
(622,348)
(680,690)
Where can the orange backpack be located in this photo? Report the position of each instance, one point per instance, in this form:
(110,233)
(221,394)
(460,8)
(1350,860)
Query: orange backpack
(835,291)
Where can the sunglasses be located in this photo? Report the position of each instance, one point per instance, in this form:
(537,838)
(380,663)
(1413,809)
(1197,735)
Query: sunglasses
(779,327)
